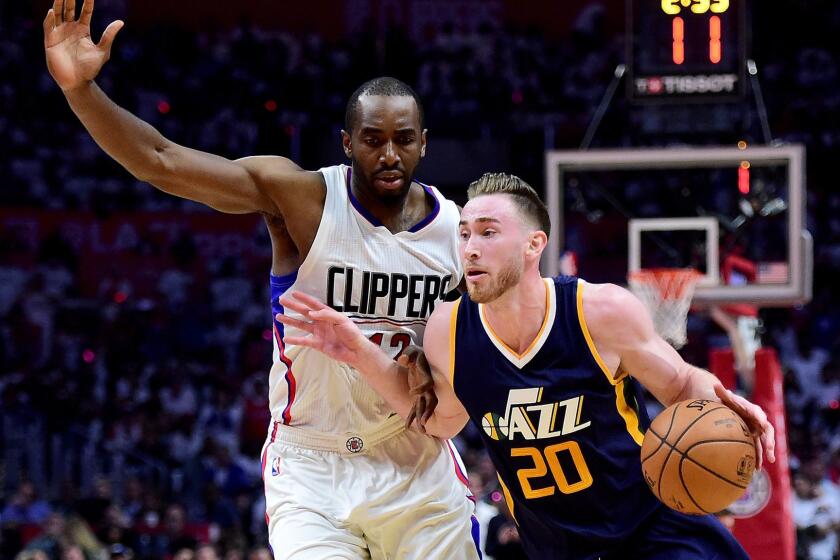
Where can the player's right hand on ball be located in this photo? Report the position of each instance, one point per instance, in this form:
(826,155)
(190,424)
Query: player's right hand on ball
(73,59)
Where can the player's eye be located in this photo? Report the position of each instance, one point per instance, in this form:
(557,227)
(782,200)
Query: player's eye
(465,235)
(488,233)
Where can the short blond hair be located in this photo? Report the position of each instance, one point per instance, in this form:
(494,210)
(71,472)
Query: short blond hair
(523,195)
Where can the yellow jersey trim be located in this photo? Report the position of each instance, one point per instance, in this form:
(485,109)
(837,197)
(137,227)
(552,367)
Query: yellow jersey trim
(453,321)
(631,419)
(508,498)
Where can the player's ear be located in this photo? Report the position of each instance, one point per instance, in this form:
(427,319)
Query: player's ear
(537,242)
(423,143)
(345,142)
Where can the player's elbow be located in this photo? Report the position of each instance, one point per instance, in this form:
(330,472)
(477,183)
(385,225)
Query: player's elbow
(154,166)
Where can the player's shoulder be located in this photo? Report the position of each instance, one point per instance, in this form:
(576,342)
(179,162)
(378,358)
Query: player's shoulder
(609,304)
(436,338)
(441,317)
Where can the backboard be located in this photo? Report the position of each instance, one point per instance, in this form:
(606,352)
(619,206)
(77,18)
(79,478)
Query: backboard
(621,210)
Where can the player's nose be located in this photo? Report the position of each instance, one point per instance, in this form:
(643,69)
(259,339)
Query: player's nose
(471,251)
(389,155)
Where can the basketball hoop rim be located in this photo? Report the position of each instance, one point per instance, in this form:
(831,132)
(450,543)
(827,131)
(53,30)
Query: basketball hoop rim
(671,283)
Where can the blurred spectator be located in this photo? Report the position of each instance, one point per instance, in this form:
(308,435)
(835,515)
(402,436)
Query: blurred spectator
(260,553)
(25,506)
(32,555)
(184,554)
(206,552)
(119,551)
(73,552)
(817,518)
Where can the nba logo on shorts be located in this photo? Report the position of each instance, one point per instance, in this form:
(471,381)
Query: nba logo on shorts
(355,444)
(275,466)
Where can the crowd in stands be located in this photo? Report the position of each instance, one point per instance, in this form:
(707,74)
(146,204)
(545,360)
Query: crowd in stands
(132,413)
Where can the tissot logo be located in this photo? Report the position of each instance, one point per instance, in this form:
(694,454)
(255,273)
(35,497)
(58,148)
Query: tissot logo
(351,290)
(680,85)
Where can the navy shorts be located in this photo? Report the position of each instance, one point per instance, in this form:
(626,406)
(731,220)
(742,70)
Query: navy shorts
(670,535)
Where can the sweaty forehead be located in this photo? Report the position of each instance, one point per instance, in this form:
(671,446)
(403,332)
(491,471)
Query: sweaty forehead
(388,111)
(490,206)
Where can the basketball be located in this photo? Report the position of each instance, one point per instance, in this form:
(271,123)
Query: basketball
(698,456)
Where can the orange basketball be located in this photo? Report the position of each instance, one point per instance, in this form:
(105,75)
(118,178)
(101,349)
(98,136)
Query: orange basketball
(698,456)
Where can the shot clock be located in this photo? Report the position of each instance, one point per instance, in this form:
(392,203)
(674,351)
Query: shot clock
(680,50)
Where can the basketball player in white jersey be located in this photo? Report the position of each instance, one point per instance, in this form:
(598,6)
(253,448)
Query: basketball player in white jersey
(343,477)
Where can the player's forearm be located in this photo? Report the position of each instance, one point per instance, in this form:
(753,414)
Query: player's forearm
(133,143)
(386,377)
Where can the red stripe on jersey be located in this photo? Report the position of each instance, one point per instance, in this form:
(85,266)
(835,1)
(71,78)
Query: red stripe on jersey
(458,472)
(290,378)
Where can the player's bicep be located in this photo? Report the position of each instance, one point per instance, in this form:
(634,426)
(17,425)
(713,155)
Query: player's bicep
(225,185)
(450,416)
(622,326)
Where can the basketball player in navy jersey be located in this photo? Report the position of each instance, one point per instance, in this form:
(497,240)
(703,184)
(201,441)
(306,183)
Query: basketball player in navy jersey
(542,366)
(376,244)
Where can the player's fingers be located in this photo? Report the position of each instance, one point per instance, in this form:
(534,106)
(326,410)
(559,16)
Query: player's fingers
(301,341)
(410,355)
(768,439)
(759,452)
(312,302)
(296,323)
(69,10)
(420,390)
(58,9)
(430,409)
(49,21)
(423,363)
(289,302)
(409,420)
(327,315)
(721,392)
(109,35)
(87,12)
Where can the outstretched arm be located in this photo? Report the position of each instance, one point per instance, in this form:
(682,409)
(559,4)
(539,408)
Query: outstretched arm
(623,333)
(335,335)
(74,61)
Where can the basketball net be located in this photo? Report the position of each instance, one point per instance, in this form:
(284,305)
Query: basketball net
(667,293)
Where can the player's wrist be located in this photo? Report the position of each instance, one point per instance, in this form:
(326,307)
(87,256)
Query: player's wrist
(76,91)
(370,357)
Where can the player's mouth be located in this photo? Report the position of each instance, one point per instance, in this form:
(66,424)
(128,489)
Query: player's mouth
(389,181)
(475,274)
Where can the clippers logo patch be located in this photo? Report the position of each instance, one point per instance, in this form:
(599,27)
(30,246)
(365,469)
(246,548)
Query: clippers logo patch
(355,444)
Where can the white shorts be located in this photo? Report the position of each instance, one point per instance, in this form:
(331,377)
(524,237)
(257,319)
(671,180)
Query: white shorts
(395,494)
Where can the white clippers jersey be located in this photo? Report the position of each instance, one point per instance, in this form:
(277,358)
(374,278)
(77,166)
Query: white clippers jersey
(387,283)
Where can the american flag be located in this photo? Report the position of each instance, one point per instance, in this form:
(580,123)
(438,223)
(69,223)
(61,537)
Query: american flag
(772,273)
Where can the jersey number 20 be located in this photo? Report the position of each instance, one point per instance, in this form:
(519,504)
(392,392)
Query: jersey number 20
(552,459)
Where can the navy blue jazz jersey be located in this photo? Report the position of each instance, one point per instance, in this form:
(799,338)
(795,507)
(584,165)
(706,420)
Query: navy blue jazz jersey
(563,433)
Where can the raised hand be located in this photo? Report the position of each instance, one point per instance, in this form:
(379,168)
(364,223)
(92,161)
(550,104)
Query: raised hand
(762,430)
(73,59)
(329,331)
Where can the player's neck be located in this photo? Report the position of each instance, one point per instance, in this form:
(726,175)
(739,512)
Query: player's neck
(398,214)
(517,315)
